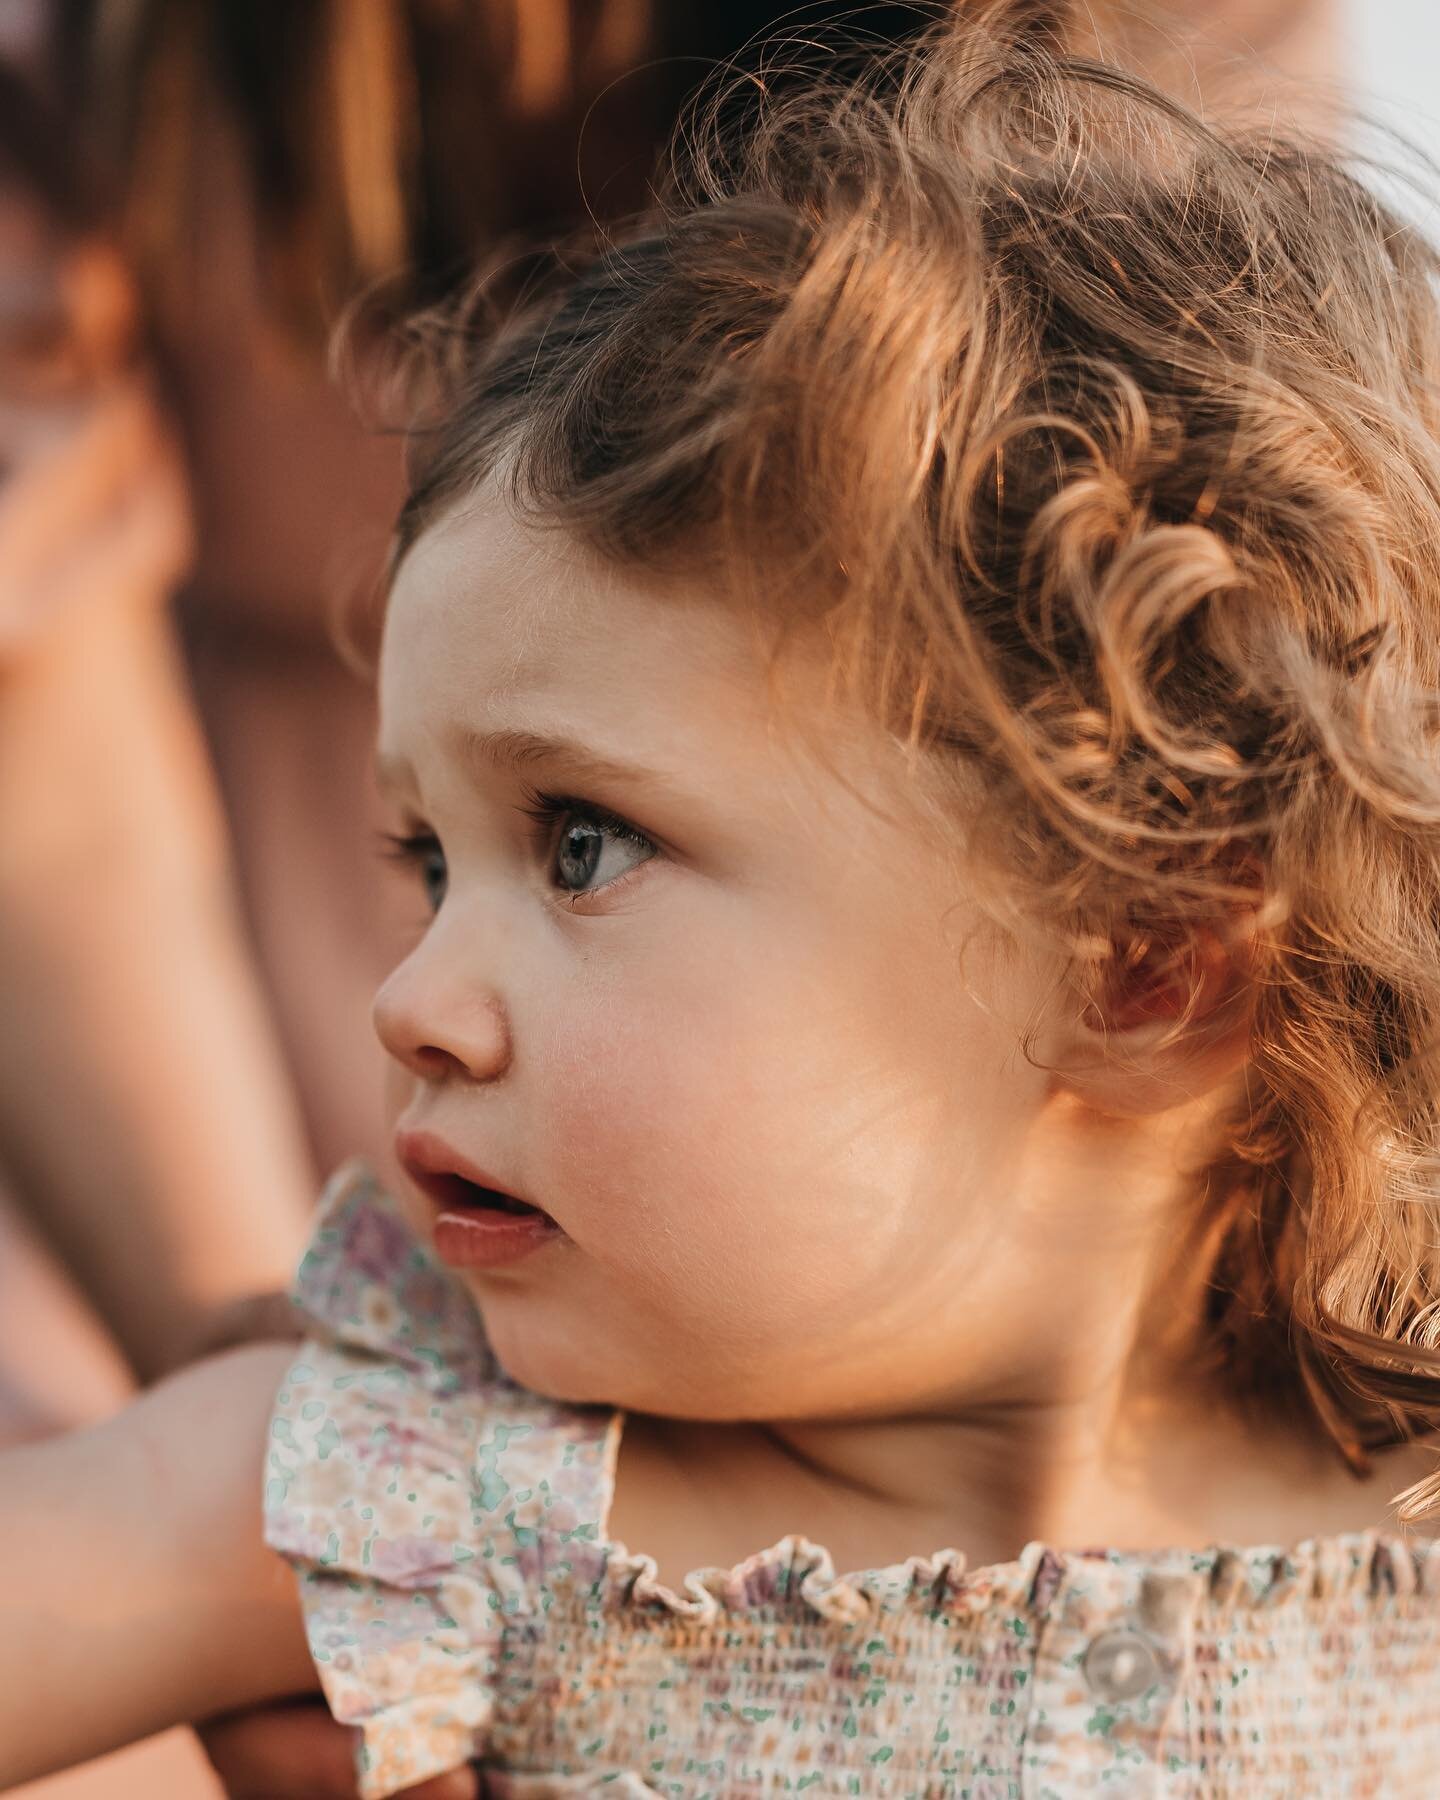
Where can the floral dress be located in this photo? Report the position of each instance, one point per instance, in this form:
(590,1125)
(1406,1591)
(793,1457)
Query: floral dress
(464,1604)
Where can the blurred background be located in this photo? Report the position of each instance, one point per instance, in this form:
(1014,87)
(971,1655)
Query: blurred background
(1394,47)
(192,914)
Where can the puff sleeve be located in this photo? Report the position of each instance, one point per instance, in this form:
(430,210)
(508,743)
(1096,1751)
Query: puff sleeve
(368,1490)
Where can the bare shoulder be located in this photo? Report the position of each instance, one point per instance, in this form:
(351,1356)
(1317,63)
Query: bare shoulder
(189,1454)
(213,1397)
(185,1441)
(199,1438)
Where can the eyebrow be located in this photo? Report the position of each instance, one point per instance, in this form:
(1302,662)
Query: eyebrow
(510,749)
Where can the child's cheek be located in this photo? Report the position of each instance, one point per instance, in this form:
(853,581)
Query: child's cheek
(618,1122)
(684,1140)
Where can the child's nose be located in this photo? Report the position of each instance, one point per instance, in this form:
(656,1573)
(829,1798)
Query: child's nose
(439,1025)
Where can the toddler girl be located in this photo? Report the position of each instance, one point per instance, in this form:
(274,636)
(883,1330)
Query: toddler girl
(909,692)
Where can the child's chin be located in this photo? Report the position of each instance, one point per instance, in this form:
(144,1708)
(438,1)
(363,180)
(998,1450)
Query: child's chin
(547,1363)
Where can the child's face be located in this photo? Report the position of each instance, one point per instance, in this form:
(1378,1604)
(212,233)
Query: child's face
(742,1070)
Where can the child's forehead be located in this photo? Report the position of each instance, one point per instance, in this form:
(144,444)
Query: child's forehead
(493,619)
(499,633)
(523,597)
(478,554)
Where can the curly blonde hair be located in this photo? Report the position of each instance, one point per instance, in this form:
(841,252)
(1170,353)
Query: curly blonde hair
(1103,439)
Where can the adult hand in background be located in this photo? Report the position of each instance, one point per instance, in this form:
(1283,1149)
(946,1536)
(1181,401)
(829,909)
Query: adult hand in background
(93,500)
(280,1752)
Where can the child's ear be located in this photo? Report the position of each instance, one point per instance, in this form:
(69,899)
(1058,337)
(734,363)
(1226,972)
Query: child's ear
(1163,1020)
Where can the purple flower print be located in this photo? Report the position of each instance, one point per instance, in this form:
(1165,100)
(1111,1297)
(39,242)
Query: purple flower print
(410,1561)
(377,1245)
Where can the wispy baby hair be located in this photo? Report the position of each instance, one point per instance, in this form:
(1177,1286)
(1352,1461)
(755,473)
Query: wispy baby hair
(1101,438)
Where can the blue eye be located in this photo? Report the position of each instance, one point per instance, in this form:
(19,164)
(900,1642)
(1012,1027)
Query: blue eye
(580,845)
(420,851)
(575,852)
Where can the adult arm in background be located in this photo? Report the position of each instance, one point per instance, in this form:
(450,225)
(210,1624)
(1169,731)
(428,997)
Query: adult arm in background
(145,1113)
(1262,60)
(139,1592)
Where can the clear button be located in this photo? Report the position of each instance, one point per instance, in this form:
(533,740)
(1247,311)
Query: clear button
(1120,1664)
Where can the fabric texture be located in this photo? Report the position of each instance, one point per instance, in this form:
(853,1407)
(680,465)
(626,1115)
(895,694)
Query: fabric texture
(464,1603)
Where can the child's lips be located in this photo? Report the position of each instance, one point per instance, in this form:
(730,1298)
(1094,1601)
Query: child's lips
(479,1223)
(482,1238)
(445,1175)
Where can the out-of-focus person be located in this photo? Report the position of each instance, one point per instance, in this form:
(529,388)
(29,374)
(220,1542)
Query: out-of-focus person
(137,1068)
(154,1173)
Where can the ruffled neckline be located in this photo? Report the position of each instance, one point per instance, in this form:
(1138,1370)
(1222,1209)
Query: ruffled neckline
(795,1571)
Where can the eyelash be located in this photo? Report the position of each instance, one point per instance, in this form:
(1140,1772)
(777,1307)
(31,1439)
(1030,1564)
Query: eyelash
(546,810)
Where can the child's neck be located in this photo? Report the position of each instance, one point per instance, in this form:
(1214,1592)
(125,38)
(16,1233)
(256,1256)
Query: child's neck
(1092,1426)
(875,1492)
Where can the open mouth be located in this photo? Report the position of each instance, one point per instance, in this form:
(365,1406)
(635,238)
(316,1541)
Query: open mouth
(455,1191)
(498,1202)
(477,1227)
